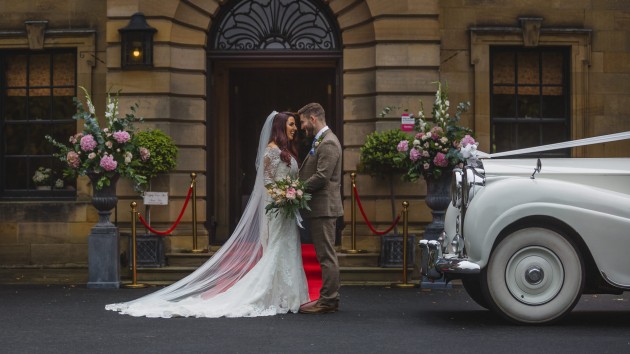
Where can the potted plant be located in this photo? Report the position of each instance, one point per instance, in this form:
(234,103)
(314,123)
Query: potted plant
(433,151)
(162,152)
(379,158)
(163,159)
(103,153)
(43,178)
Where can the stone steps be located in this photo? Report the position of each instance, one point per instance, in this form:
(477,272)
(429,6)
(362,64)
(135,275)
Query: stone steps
(355,269)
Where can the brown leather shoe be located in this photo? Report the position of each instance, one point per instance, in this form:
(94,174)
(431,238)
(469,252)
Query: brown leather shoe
(315,307)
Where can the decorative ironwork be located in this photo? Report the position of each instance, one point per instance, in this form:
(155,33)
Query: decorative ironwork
(275,25)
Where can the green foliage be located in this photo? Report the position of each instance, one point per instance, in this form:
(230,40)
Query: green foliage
(163,154)
(379,156)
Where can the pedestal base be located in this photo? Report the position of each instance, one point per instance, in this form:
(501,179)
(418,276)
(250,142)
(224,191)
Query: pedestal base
(103,258)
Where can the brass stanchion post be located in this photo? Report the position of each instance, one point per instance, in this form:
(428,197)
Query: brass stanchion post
(404,283)
(134,265)
(353,219)
(193,176)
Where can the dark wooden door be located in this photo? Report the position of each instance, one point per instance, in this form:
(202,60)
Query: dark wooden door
(254,94)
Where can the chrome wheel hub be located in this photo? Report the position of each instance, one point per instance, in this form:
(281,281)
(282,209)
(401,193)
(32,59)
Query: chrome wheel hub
(534,275)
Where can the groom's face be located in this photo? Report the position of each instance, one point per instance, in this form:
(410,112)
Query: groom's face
(306,124)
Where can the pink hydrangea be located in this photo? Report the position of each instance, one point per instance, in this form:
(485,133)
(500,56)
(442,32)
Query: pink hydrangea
(121,136)
(467,140)
(75,138)
(440,160)
(88,143)
(403,146)
(414,154)
(144,154)
(436,132)
(73,159)
(108,163)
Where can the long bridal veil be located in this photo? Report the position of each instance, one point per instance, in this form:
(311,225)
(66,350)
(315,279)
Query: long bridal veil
(237,256)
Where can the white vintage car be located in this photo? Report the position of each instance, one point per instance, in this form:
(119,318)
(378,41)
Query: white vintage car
(528,237)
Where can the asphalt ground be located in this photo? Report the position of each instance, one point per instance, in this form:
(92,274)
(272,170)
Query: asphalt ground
(72,319)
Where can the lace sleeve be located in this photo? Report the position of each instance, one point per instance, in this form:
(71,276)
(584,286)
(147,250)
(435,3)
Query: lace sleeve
(271,162)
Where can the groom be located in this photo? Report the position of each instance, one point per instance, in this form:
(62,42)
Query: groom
(321,170)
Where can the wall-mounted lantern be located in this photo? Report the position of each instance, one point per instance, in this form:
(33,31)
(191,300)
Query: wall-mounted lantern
(136,41)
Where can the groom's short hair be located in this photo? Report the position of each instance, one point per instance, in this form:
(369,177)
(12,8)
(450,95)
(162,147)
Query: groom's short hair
(313,109)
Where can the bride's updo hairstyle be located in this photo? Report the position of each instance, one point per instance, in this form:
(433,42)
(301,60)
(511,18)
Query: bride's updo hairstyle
(279,136)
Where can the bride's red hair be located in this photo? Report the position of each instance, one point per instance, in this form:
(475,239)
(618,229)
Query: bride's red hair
(280,138)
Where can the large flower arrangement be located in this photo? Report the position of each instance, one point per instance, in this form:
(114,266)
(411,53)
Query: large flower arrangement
(103,153)
(437,146)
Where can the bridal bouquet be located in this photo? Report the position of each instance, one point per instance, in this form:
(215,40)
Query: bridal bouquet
(287,196)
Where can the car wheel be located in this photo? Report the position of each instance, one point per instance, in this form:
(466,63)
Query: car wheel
(534,275)
(472,284)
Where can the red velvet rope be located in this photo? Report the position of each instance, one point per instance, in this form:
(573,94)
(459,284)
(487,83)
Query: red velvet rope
(356,194)
(181,213)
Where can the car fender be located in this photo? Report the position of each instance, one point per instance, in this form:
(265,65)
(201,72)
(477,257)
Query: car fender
(599,216)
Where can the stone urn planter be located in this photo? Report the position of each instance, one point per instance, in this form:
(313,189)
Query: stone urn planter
(103,259)
(438,197)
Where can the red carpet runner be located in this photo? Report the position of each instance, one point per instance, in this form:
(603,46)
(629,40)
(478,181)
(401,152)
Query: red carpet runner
(312,269)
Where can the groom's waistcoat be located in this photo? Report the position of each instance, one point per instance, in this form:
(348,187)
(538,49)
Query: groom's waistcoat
(322,173)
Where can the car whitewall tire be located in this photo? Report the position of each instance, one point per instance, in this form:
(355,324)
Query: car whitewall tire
(534,275)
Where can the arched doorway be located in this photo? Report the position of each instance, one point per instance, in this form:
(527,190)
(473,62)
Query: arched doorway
(263,55)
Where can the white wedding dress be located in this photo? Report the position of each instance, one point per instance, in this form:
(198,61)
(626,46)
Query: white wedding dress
(258,272)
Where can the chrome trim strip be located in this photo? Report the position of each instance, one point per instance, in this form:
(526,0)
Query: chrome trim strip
(457,266)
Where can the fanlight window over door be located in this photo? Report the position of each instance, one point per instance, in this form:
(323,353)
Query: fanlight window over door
(281,25)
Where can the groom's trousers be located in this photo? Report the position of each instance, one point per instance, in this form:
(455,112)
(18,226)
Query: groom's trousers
(323,231)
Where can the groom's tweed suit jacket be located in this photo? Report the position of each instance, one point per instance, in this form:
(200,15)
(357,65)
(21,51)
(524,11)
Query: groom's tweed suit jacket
(322,173)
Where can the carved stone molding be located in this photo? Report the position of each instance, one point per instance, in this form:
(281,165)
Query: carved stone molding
(35,33)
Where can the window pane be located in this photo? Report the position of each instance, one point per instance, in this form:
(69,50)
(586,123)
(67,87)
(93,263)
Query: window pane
(39,107)
(15,138)
(503,68)
(504,106)
(14,107)
(552,68)
(63,107)
(553,107)
(504,137)
(39,74)
(528,106)
(64,73)
(528,135)
(38,145)
(528,72)
(61,133)
(15,174)
(16,71)
(516,136)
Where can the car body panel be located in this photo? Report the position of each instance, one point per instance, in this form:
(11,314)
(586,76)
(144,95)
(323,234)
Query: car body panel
(591,196)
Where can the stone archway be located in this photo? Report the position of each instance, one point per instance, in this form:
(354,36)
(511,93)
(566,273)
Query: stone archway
(263,56)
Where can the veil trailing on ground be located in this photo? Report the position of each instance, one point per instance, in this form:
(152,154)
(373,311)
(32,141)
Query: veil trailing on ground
(241,251)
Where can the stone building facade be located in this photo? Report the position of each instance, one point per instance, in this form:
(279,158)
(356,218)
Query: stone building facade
(212,98)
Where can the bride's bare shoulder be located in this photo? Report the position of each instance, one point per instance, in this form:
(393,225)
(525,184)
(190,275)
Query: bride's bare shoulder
(272,145)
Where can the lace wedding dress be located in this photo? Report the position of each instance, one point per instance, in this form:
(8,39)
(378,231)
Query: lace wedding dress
(258,272)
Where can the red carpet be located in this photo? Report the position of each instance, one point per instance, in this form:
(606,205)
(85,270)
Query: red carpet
(312,269)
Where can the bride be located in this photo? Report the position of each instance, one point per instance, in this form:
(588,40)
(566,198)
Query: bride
(258,272)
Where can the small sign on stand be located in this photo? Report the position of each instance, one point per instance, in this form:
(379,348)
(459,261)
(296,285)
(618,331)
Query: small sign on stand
(155,198)
(407,122)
